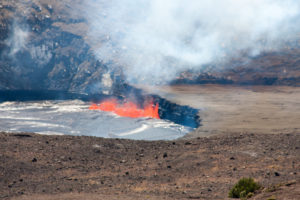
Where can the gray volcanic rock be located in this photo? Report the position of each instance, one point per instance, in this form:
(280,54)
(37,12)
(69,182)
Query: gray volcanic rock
(280,67)
(42,47)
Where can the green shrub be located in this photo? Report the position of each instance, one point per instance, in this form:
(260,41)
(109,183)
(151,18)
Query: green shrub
(244,188)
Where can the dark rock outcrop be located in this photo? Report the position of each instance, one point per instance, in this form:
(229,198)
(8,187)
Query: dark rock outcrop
(270,68)
(42,46)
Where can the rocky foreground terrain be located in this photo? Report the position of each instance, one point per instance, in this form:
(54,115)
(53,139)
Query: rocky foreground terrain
(65,167)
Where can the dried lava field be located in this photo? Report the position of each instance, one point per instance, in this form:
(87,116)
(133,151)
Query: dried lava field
(69,167)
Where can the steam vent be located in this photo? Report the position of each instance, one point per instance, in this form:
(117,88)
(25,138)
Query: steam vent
(171,99)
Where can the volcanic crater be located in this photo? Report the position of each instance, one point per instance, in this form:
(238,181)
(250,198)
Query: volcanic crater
(245,118)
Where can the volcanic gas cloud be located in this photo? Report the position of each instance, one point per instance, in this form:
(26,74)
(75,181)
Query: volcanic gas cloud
(127,109)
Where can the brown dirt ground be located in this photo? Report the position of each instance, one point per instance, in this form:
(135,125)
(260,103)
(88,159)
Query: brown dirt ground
(196,167)
(236,109)
(69,167)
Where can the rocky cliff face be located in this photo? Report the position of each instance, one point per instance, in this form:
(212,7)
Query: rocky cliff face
(44,45)
(271,68)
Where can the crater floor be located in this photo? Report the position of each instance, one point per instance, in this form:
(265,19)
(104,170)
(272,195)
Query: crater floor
(238,109)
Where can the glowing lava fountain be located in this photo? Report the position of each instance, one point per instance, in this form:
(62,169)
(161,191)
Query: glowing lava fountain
(127,109)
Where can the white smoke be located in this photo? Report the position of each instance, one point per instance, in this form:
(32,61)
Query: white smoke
(18,39)
(41,54)
(156,39)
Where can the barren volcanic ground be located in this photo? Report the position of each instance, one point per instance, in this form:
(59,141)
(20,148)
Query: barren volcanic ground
(196,167)
(71,167)
(237,109)
(245,132)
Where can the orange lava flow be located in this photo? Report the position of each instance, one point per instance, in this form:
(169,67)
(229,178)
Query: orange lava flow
(128,109)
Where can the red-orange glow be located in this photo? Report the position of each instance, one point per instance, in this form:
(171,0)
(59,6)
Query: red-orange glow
(128,109)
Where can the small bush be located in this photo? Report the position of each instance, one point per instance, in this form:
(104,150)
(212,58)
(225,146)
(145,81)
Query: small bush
(244,188)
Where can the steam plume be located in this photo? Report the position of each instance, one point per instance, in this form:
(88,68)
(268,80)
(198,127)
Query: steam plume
(18,39)
(154,39)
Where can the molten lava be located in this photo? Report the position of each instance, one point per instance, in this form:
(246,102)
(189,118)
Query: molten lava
(128,109)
